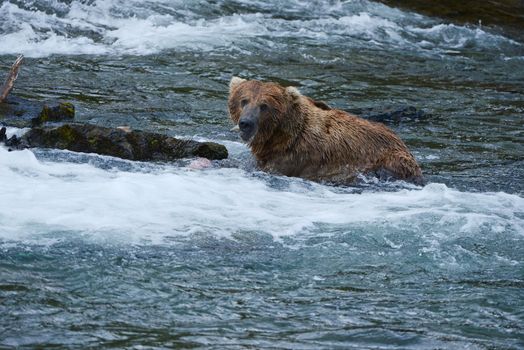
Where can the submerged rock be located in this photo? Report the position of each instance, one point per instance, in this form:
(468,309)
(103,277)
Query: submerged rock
(391,114)
(22,113)
(133,145)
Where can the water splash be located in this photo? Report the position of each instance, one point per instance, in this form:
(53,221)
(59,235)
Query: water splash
(42,28)
(152,203)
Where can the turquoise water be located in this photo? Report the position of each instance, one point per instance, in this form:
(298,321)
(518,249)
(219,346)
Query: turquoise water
(97,252)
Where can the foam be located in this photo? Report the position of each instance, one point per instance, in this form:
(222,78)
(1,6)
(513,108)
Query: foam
(41,198)
(114,27)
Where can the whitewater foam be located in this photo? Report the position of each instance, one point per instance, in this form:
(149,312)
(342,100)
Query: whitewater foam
(115,27)
(152,203)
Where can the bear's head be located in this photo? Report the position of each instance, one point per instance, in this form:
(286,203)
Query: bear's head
(259,108)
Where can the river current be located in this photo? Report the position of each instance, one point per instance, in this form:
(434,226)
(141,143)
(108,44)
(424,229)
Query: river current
(98,252)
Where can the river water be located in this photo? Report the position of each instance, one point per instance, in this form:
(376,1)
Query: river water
(97,252)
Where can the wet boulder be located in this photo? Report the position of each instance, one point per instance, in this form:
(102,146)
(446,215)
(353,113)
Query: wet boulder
(23,113)
(132,145)
(51,127)
(64,111)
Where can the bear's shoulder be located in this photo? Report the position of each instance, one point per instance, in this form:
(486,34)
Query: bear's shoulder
(319,104)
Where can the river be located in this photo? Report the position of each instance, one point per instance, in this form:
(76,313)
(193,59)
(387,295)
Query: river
(97,252)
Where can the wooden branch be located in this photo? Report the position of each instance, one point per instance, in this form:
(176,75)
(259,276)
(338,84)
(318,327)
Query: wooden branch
(10,80)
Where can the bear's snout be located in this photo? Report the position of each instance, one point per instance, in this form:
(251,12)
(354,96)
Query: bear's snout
(248,126)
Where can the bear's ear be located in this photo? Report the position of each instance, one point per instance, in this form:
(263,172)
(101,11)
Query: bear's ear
(293,92)
(235,81)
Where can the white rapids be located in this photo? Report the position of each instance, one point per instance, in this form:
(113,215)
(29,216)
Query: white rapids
(41,198)
(117,27)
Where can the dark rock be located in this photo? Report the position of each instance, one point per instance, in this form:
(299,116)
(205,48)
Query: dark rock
(134,145)
(64,111)
(23,113)
(13,142)
(3,136)
(209,150)
(391,114)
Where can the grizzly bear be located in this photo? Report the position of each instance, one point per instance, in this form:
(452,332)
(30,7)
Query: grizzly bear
(293,135)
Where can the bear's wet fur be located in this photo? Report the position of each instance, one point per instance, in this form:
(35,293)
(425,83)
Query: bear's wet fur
(293,135)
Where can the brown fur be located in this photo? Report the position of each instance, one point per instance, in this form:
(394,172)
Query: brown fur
(300,137)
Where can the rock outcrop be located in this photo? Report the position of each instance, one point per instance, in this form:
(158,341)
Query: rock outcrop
(52,126)
(133,145)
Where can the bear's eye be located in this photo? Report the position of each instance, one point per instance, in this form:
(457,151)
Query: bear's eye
(264,107)
(243,103)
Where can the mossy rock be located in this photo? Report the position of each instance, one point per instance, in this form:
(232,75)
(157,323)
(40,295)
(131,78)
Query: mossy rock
(134,145)
(64,111)
(23,113)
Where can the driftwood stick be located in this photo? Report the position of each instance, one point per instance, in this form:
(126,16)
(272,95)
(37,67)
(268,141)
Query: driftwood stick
(10,80)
